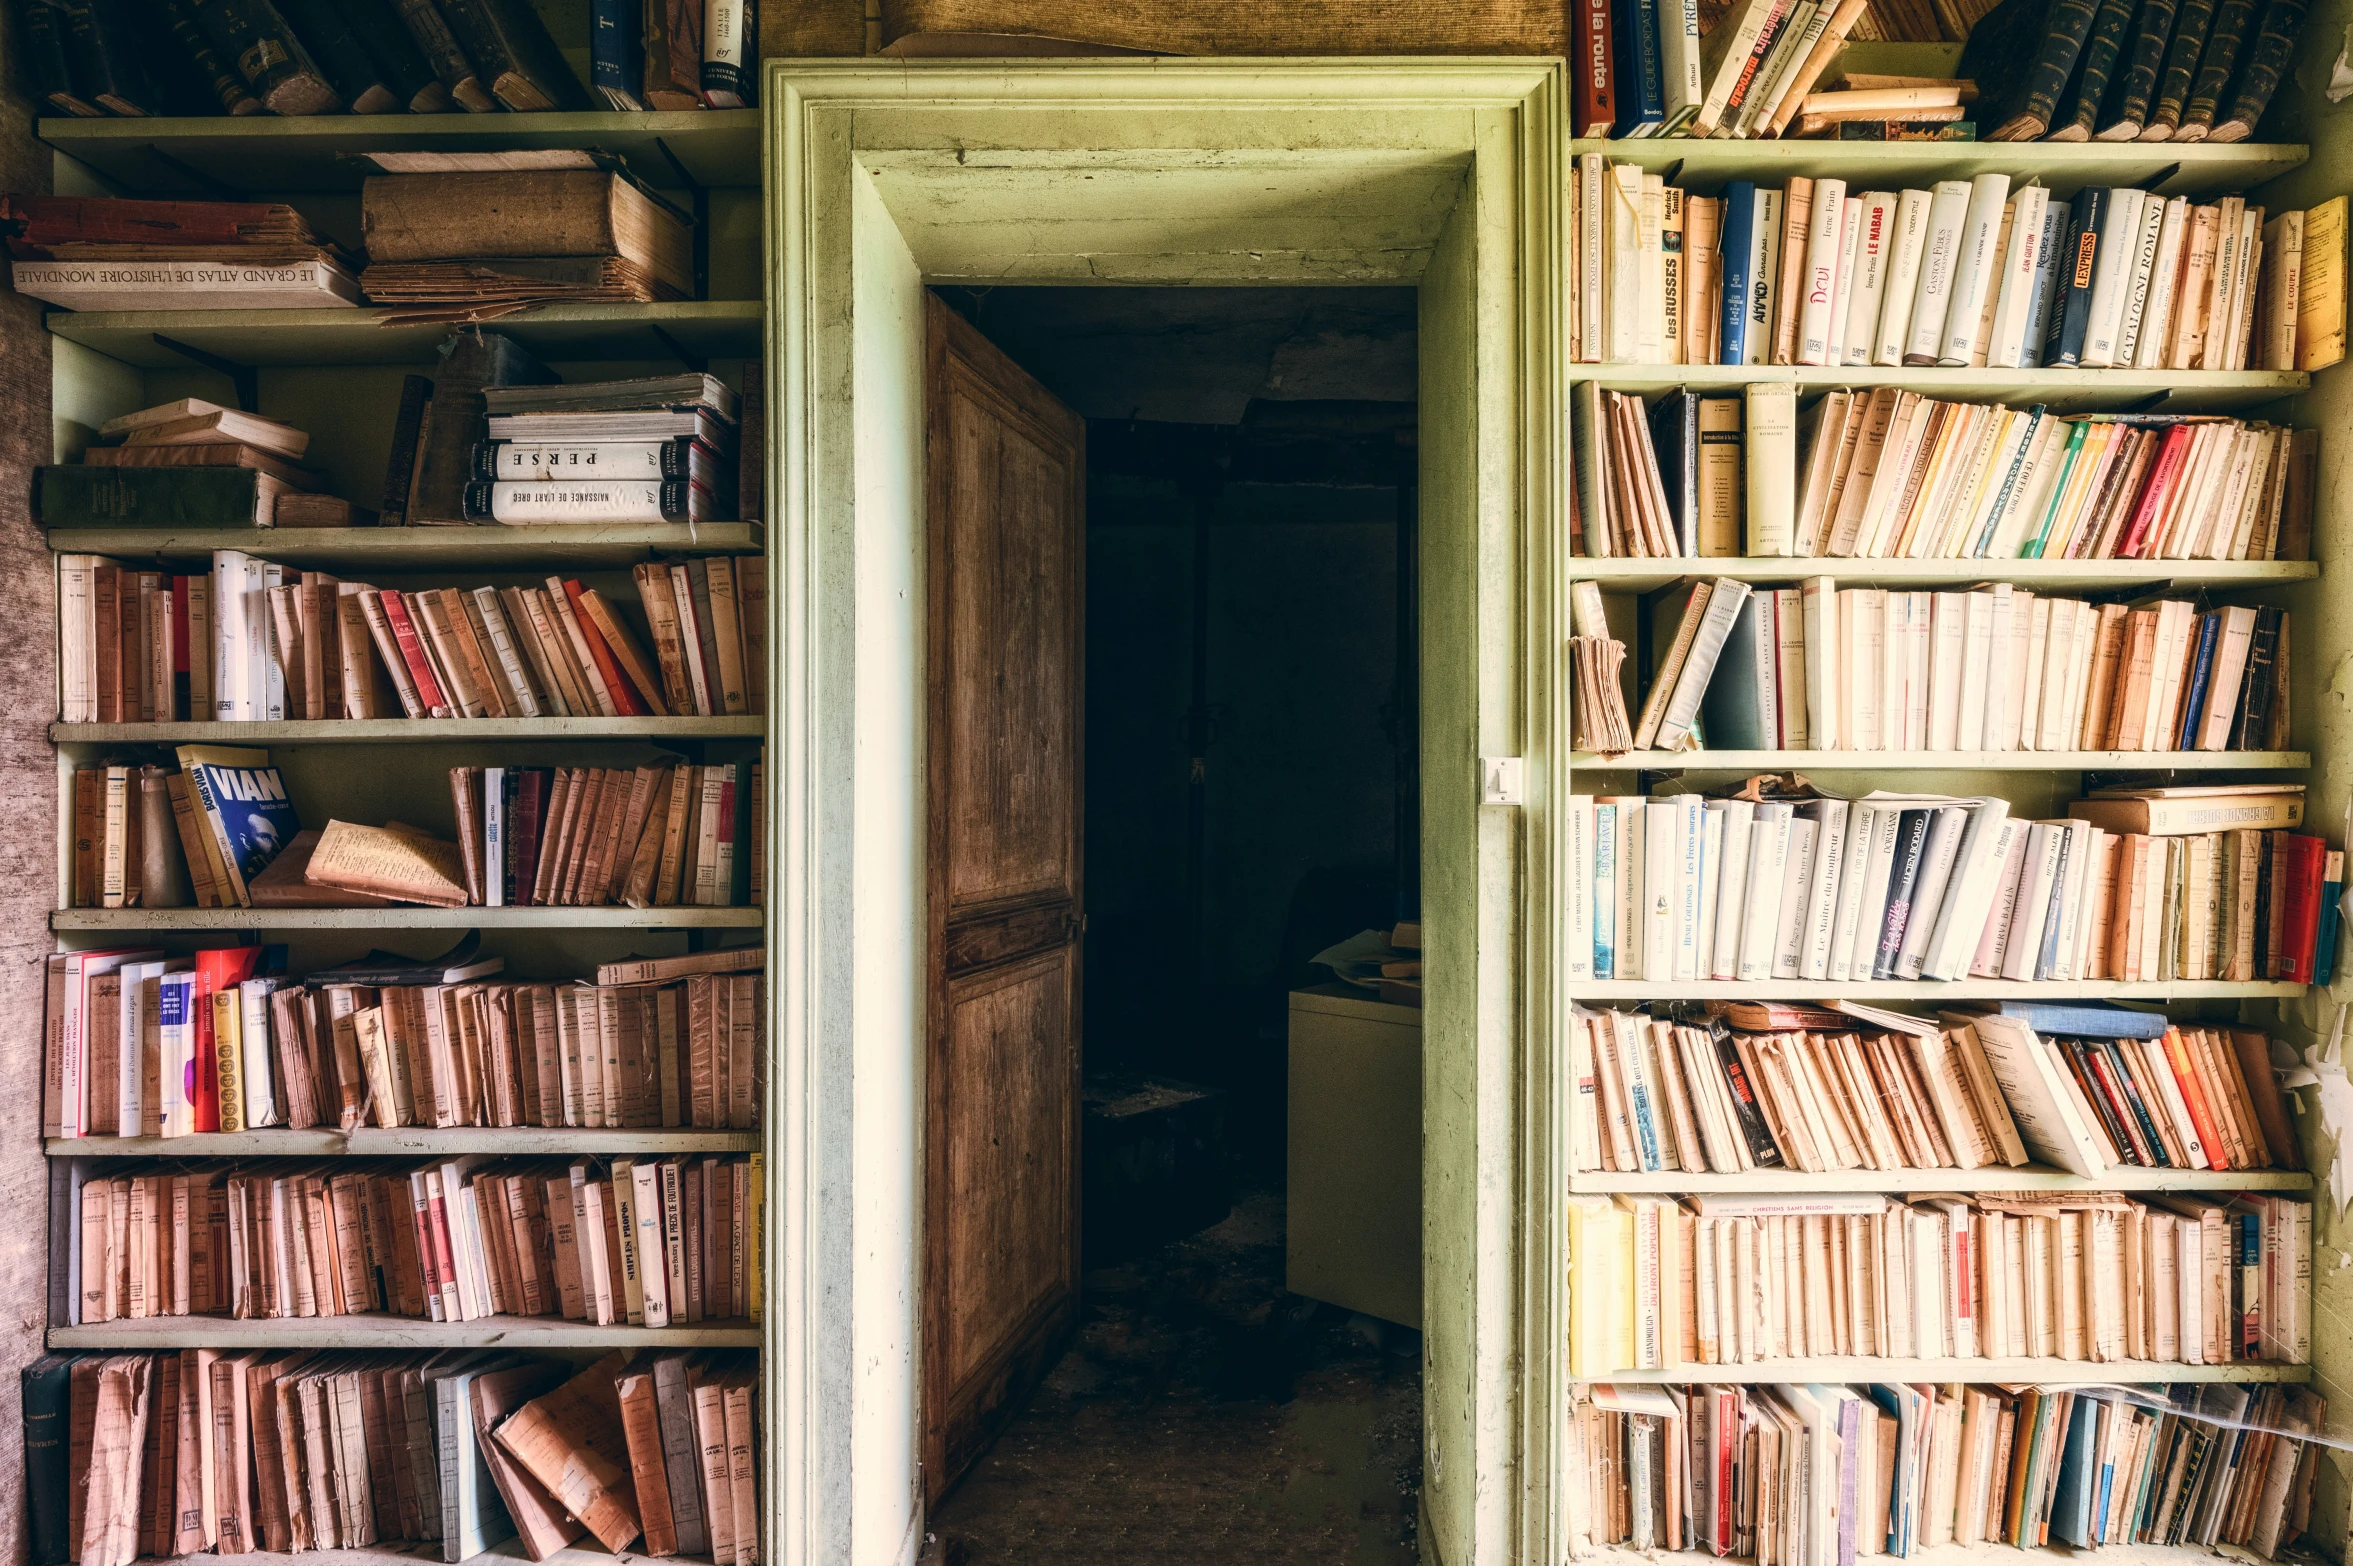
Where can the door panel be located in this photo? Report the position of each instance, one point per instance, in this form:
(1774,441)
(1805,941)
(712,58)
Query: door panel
(1004,522)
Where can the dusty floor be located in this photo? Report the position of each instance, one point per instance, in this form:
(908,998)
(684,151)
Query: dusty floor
(1204,1414)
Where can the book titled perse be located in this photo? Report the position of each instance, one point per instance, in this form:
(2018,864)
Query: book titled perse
(1970,273)
(1769,1472)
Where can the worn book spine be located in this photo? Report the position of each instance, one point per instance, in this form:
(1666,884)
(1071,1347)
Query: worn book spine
(616,52)
(1594,68)
(252,36)
(220,77)
(514,57)
(105,57)
(2259,78)
(49,77)
(2217,64)
(2065,28)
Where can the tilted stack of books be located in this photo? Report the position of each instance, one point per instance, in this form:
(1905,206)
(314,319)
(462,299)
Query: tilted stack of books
(1911,886)
(1736,1086)
(295,1450)
(189,464)
(656,450)
(657,836)
(104,253)
(1992,669)
(1804,1475)
(1967,274)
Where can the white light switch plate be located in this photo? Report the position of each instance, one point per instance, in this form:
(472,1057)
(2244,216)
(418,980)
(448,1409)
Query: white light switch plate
(1503,780)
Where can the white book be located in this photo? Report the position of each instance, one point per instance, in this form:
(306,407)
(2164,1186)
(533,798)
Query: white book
(2022,951)
(2059,937)
(1789,920)
(1593,179)
(2012,514)
(1940,249)
(188,285)
(1861,626)
(1806,19)
(1650,269)
(1949,633)
(1820,603)
(1919,666)
(1976,260)
(1769,464)
(2157,317)
(1688,816)
(1862,831)
(2144,280)
(1993,944)
(2244,271)
(1662,857)
(1873,248)
(1631,918)
(1768,861)
(1938,855)
(1850,260)
(1731,906)
(2112,278)
(240,629)
(1577,822)
(2037,1089)
(1977,667)
(1819,278)
(1764,254)
(1820,916)
(1711,873)
(2001,694)
(1699,662)
(1679,61)
(1908,243)
(2015,302)
(1976,879)
(1871,911)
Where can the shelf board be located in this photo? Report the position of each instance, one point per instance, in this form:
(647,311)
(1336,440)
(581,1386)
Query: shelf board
(1943,760)
(1930,989)
(1634,575)
(704,329)
(210,156)
(166,919)
(372,1142)
(1979,1554)
(421,731)
(373,1331)
(2038,1372)
(577,546)
(1762,1182)
(2062,391)
(2180,169)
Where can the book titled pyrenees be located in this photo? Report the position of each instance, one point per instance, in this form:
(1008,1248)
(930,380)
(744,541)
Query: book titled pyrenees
(243,805)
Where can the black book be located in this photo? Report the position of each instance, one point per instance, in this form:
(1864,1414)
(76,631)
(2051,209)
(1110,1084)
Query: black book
(1674,435)
(2022,55)
(2102,47)
(46,1387)
(2251,726)
(2192,20)
(516,59)
(399,61)
(400,470)
(2072,309)
(2233,19)
(2275,45)
(2266,960)
(221,79)
(354,75)
(1903,878)
(251,35)
(102,45)
(2139,1106)
(430,32)
(2136,82)
(48,72)
(1765,1152)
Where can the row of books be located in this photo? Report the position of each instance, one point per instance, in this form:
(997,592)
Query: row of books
(1730,1088)
(382,57)
(140,1043)
(1680,888)
(1790,1475)
(257,642)
(293,1450)
(2155,70)
(1645,67)
(650,450)
(1967,274)
(655,836)
(1889,474)
(649,1242)
(1995,668)
(1662,1281)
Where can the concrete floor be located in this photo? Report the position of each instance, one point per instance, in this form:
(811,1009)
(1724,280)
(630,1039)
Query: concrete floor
(1204,1414)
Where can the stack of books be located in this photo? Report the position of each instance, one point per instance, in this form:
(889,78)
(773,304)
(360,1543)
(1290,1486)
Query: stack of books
(1890,474)
(1798,1475)
(2149,71)
(655,450)
(190,464)
(103,253)
(1967,274)
(472,237)
(1996,668)
(319,1449)
(2094,1277)
(656,836)
(457,1240)
(1841,1086)
(1910,886)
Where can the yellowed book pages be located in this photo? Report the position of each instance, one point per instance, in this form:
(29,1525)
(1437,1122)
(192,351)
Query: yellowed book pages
(388,861)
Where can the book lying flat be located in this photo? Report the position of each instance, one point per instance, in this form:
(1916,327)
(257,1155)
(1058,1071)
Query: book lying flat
(266,283)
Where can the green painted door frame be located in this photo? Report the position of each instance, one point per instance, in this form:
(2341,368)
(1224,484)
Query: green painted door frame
(885,176)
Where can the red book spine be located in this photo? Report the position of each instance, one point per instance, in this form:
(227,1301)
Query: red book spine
(71,220)
(2301,918)
(182,669)
(607,668)
(530,804)
(1597,102)
(2185,1077)
(412,653)
(2160,485)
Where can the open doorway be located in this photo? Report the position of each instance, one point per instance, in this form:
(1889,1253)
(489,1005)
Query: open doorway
(1230,1361)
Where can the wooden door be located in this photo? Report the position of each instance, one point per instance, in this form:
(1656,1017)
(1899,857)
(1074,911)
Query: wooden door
(1004,521)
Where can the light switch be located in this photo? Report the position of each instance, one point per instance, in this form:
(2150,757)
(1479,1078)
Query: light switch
(1503,780)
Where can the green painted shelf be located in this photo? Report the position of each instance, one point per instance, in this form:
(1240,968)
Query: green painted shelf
(2176,169)
(692,329)
(1945,760)
(2062,391)
(1635,575)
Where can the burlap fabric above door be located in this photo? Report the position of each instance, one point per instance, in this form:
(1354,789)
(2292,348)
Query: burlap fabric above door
(1231,27)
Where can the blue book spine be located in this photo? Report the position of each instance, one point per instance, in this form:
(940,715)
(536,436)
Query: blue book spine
(615,42)
(1605,891)
(2250,1284)
(2046,272)
(2332,891)
(2201,675)
(2087,1021)
(1643,102)
(1645,1127)
(1732,250)
(2085,224)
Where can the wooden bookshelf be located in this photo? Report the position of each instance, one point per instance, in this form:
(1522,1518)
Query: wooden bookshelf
(1625,575)
(2031,1178)
(393,1332)
(1934,990)
(694,328)
(409,1141)
(2062,391)
(414,731)
(2170,168)
(2036,1372)
(576,546)
(484,919)
(1944,761)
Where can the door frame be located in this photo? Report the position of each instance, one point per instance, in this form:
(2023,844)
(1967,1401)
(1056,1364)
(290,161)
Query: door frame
(886,176)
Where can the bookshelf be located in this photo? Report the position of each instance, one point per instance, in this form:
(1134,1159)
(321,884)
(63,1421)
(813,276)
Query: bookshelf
(2037,782)
(336,373)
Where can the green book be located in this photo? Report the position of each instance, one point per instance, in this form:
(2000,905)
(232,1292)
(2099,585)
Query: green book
(74,496)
